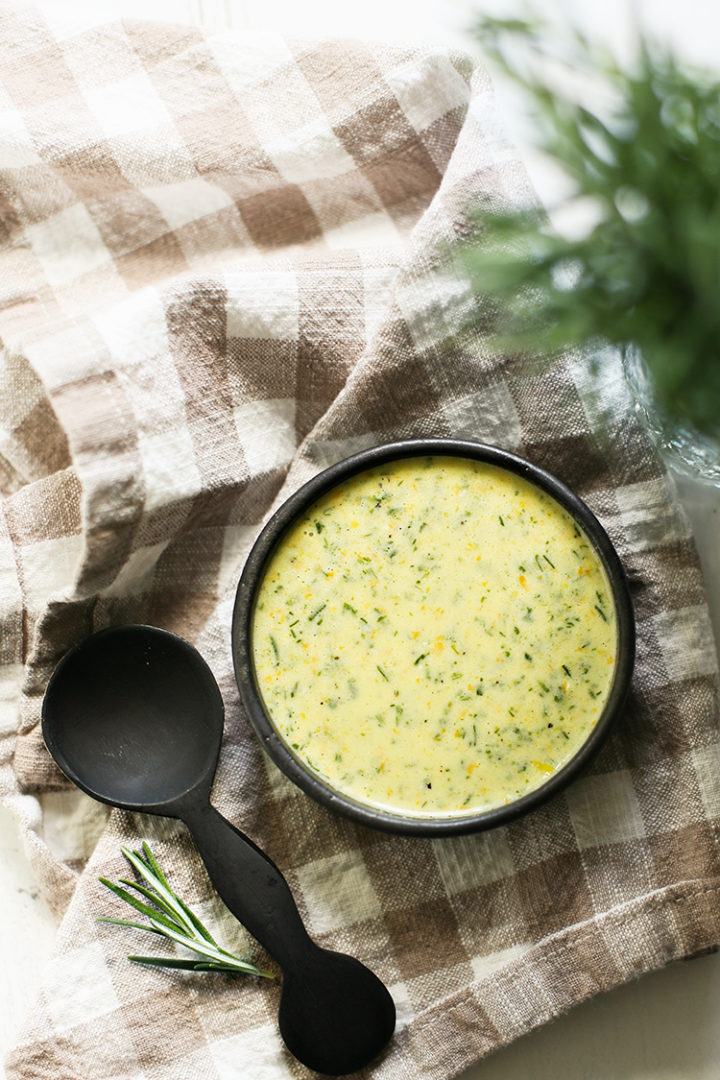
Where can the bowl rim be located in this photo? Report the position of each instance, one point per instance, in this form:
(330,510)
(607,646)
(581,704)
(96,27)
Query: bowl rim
(252,575)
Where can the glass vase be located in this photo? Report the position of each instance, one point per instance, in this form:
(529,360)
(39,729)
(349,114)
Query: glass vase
(690,453)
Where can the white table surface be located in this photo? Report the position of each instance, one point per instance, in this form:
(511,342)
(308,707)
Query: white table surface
(665,1026)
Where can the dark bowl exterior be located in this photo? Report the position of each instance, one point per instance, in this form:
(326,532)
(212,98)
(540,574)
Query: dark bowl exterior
(252,576)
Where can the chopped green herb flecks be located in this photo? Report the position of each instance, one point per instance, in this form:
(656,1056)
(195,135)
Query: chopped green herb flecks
(435,621)
(274,647)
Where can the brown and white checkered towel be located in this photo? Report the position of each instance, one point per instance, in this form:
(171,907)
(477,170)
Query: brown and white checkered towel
(223,265)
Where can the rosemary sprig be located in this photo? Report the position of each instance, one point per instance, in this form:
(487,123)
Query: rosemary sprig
(170,917)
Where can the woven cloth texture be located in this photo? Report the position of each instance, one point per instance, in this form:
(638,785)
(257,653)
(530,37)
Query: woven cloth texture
(227,261)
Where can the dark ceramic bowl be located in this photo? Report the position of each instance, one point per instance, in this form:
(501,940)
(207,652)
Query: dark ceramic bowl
(242,645)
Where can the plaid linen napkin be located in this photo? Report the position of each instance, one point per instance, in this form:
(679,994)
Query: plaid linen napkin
(223,265)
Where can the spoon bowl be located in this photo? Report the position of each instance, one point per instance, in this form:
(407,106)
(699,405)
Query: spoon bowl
(134,717)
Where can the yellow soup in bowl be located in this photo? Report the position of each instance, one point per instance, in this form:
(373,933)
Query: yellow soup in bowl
(435,637)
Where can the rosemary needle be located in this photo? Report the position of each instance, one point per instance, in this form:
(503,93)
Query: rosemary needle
(170,917)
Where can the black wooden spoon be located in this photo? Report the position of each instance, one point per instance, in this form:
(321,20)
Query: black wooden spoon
(134,717)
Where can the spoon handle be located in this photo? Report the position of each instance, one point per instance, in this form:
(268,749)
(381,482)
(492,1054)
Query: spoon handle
(335,1015)
(250,885)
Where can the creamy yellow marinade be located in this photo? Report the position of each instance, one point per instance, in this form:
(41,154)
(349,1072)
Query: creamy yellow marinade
(435,636)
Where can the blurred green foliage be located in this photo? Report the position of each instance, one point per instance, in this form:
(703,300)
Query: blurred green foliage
(645,272)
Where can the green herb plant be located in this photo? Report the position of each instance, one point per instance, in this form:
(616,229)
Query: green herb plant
(169,917)
(644,274)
